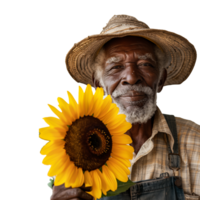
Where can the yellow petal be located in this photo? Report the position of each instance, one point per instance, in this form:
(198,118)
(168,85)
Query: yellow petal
(98,100)
(126,162)
(64,106)
(58,167)
(80,102)
(53,156)
(52,134)
(104,184)
(111,115)
(120,129)
(119,120)
(71,175)
(47,147)
(54,122)
(88,179)
(105,106)
(121,139)
(110,178)
(116,162)
(51,146)
(61,178)
(122,151)
(96,189)
(58,113)
(117,171)
(73,106)
(66,109)
(81,177)
(87,99)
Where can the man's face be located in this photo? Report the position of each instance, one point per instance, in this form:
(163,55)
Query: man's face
(131,76)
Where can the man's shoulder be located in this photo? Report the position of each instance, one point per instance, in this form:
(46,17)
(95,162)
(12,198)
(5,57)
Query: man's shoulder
(188,131)
(187,125)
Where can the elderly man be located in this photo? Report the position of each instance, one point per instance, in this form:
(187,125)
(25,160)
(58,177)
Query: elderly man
(132,62)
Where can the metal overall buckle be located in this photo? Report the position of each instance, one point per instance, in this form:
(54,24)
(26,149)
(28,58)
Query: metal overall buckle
(174,164)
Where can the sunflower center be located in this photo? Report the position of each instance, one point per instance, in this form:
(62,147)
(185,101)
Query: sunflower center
(98,141)
(88,143)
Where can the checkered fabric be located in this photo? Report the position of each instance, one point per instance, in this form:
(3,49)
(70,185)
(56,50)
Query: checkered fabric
(152,159)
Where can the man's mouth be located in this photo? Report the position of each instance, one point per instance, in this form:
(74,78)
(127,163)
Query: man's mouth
(134,96)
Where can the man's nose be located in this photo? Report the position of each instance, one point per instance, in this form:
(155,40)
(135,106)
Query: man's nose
(131,76)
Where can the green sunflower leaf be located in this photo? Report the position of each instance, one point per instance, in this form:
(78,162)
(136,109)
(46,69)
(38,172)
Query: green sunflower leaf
(50,183)
(100,169)
(122,187)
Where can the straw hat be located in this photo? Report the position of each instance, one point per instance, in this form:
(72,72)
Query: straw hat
(180,52)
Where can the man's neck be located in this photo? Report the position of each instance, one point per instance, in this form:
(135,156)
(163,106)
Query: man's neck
(140,133)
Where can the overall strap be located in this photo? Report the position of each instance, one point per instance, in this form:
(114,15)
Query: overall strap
(174,158)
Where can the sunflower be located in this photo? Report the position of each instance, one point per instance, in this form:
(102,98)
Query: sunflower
(87,144)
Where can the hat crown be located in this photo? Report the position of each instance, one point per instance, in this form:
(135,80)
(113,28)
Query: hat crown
(123,20)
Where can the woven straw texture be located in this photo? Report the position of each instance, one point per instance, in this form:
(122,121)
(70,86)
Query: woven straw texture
(180,52)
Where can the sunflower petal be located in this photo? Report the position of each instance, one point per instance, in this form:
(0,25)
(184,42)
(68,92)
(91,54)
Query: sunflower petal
(52,134)
(61,178)
(110,178)
(80,102)
(47,147)
(121,129)
(54,122)
(51,146)
(96,189)
(71,174)
(121,139)
(58,167)
(119,120)
(122,151)
(117,171)
(87,99)
(88,179)
(105,106)
(116,162)
(126,162)
(71,102)
(98,100)
(58,113)
(110,115)
(104,183)
(53,157)
(64,106)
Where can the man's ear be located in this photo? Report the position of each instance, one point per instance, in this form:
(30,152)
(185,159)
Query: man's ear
(162,80)
(96,82)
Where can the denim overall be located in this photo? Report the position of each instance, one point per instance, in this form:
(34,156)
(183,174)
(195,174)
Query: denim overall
(163,188)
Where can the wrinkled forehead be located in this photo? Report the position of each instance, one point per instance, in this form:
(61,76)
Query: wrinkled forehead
(128,40)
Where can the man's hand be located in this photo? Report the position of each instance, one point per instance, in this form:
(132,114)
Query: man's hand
(62,193)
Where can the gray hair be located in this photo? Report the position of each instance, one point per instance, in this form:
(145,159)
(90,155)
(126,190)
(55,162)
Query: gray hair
(99,61)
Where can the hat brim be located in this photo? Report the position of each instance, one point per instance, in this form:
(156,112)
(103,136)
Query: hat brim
(180,52)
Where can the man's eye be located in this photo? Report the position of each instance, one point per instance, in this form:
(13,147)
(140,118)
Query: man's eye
(116,67)
(146,64)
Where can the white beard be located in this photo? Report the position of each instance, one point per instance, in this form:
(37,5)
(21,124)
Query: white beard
(137,114)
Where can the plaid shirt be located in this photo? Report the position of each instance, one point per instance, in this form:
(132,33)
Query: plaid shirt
(152,158)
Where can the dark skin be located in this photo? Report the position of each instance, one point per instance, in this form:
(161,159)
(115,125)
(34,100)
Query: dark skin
(127,48)
(132,69)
